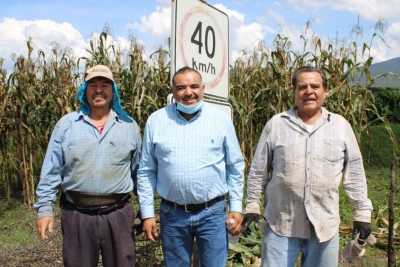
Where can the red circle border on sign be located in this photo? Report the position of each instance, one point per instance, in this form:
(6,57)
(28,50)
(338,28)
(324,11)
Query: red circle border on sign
(185,20)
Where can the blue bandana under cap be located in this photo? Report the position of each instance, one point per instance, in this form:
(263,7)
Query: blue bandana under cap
(115,103)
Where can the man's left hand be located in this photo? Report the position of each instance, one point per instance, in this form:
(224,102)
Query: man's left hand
(363,228)
(237,225)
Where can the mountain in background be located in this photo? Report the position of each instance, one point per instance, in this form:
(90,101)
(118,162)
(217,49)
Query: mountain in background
(391,65)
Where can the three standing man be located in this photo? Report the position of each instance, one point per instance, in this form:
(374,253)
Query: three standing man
(191,157)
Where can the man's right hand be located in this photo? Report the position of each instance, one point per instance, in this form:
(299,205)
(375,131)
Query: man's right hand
(247,220)
(42,223)
(150,228)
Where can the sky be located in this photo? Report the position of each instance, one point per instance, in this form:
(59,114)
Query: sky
(72,23)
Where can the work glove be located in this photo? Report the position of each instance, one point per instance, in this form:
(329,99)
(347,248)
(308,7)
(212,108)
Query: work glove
(363,228)
(247,220)
(138,224)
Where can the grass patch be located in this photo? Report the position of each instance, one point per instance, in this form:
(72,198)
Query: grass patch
(17,224)
(378,180)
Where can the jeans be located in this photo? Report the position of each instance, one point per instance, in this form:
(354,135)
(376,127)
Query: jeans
(178,229)
(283,251)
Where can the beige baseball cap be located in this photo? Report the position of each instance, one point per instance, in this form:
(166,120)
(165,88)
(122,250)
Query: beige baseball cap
(98,71)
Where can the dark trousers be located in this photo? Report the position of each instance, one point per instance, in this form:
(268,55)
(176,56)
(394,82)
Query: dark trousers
(85,236)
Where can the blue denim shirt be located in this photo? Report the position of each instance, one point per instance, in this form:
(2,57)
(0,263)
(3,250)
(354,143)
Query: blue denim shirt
(81,159)
(190,162)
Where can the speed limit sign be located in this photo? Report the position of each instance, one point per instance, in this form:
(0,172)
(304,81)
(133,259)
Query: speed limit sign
(200,37)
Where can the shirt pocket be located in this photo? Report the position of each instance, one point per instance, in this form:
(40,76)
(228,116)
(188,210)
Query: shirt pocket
(290,152)
(77,151)
(120,152)
(211,148)
(334,150)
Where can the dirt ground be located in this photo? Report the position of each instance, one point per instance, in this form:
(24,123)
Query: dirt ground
(48,253)
(45,254)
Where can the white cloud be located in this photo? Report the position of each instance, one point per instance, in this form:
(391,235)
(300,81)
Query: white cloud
(43,33)
(242,36)
(392,39)
(232,14)
(157,24)
(387,47)
(156,27)
(393,31)
(278,17)
(248,36)
(371,10)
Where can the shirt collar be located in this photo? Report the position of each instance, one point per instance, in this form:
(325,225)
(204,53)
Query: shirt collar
(112,115)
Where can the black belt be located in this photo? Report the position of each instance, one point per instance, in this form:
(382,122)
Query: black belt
(97,210)
(194,207)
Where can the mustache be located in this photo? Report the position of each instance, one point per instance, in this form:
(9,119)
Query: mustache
(98,94)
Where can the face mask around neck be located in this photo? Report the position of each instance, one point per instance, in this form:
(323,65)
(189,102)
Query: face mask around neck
(189,109)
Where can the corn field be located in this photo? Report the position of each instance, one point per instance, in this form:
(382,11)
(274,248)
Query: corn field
(42,88)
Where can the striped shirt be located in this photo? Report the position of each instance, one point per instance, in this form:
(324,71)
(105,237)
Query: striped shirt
(300,172)
(190,162)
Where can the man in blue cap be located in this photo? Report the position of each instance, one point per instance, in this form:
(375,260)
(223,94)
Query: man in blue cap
(94,154)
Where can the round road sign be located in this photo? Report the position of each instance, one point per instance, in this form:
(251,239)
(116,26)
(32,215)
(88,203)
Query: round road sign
(201,42)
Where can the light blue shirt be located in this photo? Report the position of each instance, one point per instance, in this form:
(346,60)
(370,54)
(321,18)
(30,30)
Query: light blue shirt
(190,162)
(81,159)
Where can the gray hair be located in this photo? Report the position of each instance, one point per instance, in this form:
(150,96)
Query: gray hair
(300,70)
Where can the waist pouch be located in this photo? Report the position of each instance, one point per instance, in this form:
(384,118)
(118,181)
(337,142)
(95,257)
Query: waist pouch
(86,200)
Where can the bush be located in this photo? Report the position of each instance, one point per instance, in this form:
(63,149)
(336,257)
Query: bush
(379,152)
(387,102)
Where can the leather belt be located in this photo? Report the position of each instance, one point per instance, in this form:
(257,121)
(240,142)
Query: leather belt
(97,210)
(87,200)
(194,207)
